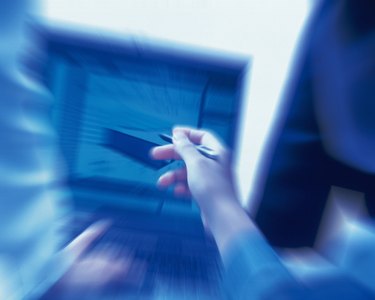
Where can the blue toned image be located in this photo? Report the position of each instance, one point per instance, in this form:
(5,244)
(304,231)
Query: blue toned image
(101,199)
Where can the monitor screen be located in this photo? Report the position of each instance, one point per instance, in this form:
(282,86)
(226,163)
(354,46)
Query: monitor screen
(112,101)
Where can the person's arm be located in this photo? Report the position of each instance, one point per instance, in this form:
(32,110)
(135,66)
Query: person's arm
(92,273)
(208,181)
(251,266)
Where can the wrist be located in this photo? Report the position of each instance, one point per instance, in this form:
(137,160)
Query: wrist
(227,219)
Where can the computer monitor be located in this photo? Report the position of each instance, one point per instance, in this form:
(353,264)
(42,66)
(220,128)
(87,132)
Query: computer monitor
(113,96)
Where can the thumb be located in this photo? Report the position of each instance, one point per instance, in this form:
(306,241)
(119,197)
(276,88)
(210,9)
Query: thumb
(184,147)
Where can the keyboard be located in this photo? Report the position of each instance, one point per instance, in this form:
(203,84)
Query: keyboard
(173,258)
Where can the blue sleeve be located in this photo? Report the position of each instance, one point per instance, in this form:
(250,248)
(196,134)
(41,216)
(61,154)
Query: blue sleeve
(254,271)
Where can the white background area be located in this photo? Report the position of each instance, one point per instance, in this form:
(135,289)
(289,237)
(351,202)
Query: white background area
(267,30)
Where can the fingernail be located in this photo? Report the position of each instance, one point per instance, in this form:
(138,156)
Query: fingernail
(151,152)
(160,184)
(100,226)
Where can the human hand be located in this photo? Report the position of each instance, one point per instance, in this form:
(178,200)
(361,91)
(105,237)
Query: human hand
(209,181)
(97,273)
(205,179)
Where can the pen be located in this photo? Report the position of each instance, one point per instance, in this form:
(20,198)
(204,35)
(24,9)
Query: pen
(205,151)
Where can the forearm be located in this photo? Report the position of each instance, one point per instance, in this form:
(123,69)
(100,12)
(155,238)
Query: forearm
(227,219)
(252,268)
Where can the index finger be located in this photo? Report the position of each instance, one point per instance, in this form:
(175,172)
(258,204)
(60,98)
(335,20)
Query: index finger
(165,152)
